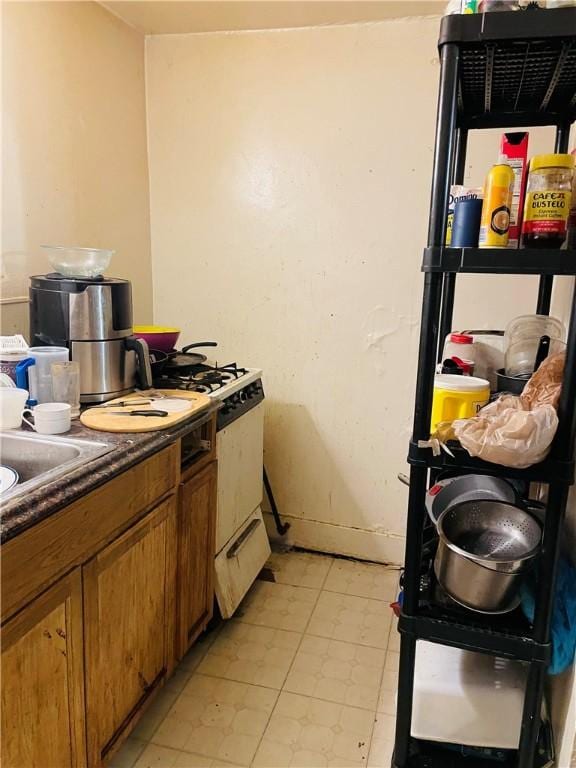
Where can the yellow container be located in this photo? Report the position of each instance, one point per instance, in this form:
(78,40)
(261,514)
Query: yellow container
(457,397)
(495,220)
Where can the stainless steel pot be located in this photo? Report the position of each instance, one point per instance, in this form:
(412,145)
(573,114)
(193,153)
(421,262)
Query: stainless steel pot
(484,552)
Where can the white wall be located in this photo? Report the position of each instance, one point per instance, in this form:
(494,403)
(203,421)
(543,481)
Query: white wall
(290,176)
(74,156)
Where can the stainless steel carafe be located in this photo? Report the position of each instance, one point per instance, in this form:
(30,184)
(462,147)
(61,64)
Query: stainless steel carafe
(93,318)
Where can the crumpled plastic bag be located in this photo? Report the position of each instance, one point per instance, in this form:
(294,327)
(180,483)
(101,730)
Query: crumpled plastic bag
(506,432)
(545,384)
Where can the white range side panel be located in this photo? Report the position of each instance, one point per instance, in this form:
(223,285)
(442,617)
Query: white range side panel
(235,575)
(240,452)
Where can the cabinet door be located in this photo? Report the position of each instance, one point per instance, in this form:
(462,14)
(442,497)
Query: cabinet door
(129,626)
(43,681)
(196,539)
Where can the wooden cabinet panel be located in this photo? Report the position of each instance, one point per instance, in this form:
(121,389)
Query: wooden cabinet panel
(196,538)
(129,625)
(43,681)
(37,557)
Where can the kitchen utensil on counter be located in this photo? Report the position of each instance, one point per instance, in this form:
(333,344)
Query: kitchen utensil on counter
(78,262)
(457,397)
(66,385)
(184,362)
(12,404)
(35,372)
(521,355)
(147,414)
(160,337)
(101,419)
(125,403)
(49,418)
(168,403)
(8,478)
(513,384)
(485,549)
(93,318)
(454,490)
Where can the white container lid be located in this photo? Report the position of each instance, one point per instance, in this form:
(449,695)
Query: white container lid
(464,697)
(457,383)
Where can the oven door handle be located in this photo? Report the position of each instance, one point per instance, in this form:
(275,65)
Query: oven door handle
(243,538)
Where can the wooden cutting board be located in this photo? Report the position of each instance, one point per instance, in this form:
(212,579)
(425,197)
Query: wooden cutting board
(102,420)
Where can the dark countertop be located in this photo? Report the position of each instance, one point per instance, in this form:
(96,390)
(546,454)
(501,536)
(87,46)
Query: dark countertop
(129,449)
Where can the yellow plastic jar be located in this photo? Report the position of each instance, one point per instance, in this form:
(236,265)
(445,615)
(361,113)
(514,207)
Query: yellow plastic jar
(457,397)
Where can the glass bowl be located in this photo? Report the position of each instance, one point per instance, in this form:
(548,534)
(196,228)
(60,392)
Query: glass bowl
(78,262)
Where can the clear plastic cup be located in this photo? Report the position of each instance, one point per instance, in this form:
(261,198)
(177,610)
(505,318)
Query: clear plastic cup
(66,385)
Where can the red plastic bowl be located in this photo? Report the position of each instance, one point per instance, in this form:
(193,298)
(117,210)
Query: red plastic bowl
(159,337)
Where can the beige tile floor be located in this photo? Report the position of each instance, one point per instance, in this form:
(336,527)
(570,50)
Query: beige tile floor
(304,676)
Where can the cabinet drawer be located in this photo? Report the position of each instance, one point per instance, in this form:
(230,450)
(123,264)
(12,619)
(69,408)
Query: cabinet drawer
(35,559)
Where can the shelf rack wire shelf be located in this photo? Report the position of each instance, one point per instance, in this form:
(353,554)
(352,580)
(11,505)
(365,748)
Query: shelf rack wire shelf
(497,70)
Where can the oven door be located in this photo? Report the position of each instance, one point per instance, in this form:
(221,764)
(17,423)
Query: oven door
(240,562)
(240,450)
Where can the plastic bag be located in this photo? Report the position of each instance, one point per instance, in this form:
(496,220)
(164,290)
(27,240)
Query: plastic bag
(545,385)
(505,432)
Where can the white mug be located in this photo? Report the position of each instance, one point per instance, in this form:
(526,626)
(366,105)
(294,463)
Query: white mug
(12,402)
(49,418)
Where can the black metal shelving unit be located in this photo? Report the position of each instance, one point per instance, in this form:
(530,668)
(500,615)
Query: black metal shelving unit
(497,70)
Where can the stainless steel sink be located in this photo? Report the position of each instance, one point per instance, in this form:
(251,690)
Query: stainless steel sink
(39,459)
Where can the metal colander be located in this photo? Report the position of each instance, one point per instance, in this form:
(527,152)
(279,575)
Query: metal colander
(495,533)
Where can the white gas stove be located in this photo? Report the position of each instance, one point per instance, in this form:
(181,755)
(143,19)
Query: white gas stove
(242,546)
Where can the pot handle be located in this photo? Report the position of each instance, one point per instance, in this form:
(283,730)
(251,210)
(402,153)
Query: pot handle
(25,379)
(536,508)
(404,479)
(199,344)
(143,354)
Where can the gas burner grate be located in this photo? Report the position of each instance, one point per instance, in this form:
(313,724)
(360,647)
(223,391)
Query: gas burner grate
(202,378)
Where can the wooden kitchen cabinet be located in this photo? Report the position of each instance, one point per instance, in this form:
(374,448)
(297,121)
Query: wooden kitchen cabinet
(196,540)
(95,607)
(129,593)
(43,681)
